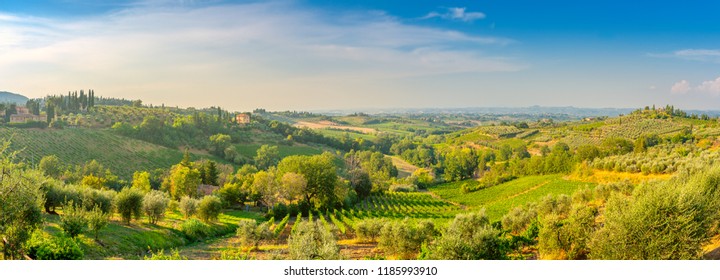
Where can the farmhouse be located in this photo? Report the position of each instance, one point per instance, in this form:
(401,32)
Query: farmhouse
(24,115)
(242,118)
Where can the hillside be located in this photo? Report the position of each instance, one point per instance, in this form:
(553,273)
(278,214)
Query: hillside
(76,146)
(9,97)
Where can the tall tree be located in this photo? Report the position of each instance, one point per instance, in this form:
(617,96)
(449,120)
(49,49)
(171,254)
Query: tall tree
(320,173)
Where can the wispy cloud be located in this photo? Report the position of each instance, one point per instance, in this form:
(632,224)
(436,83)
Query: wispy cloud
(711,87)
(705,55)
(456,13)
(273,49)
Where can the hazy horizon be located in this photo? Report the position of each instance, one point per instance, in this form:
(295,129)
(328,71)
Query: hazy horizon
(318,55)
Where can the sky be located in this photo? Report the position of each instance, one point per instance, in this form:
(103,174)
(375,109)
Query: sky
(324,55)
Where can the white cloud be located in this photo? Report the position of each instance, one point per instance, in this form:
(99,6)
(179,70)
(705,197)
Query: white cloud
(680,87)
(711,87)
(257,52)
(456,13)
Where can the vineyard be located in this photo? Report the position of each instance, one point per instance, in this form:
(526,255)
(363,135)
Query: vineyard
(498,200)
(78,146)
(401,205)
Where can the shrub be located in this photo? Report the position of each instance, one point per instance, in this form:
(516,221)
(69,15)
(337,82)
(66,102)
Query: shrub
(405,238)
(518,219)
(154,205)
(92,198)
(369,229)
(311,241)
(470,237)
(188,206)
(279,211)
(97,220)
(235,255)
(73,221)
(251,233)
(209,208)
(173,205)
(195,230)
(161,256)
(403,188)
(670,220)
(128,203)
(40,247)
(559,205)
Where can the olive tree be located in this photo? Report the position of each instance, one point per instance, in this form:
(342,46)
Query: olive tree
(129,203)
(311,241)
(154,205)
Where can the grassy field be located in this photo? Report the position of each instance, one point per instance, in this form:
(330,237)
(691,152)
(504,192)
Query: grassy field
(136,240)
(79,145)
(498,200)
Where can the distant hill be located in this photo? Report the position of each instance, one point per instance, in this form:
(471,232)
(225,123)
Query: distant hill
(9,97)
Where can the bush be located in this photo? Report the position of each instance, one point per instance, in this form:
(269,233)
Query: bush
(251,233)
(670,220)
(405,238)
(470,237)
(73,221)
(279,211)
(154,205)
(195,230)
(188,206)
(518,219)
(92,198)
(403,188)
(311,241)
(554,205)
(161,256)
(209,208)
(97,220)
(129,204)
(369,229)
(40,247)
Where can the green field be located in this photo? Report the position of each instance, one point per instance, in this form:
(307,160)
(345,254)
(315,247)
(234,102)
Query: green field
(79,145)
(498,200)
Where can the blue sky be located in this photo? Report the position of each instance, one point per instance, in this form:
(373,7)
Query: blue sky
(306,55)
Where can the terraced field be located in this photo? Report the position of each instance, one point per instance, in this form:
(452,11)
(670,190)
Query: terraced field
(498,200)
